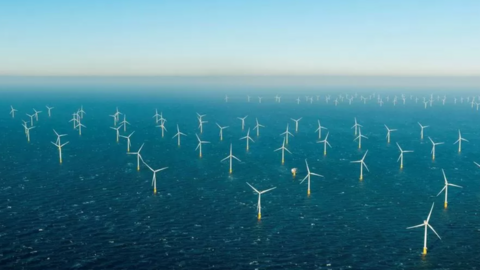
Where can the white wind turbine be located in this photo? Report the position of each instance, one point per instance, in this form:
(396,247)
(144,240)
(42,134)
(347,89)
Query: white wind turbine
(79,126)
(118,132)
(243,121)
(319,129)
(257,127)
(81,112)
(27,131)
(247,138)
(446,189)
(296,123)
(459,141)
(201,122)
(422,128)
(259,206)
(31,118)
(356,126)
(128,140)
(283,148)
(12,111)
(162,127)
(426,225)
(49,111)
(286,133)
(401,155)
(154,179)
(124,123)
(325,143)
(362,164)
(388,133)
(433,147)
(200,142)
(178,135)
(221,131)
(36,114)
(156,115)
(138,156)
(359,138)
(230,157)
(308,177)
(58,136)
(59,146)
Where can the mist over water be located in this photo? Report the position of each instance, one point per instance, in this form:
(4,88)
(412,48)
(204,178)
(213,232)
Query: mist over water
(96,211)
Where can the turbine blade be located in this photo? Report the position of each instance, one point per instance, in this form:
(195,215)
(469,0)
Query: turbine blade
(253,188)
(430,226)
(442,190)
(416,226)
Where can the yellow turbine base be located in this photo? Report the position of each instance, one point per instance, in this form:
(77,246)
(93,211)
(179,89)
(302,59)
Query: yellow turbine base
(361,177)
(138,168)
(221,139)
(155,191)
(283,162)
(308,192)
(60,161)
(294,174)
(424,251)
(259,216)
(325,153)
(230,171)
(247,148)
(401,167)
(433,157)
(445,205)
(200,155)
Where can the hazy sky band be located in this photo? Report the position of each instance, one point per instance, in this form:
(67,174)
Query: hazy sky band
(123,38)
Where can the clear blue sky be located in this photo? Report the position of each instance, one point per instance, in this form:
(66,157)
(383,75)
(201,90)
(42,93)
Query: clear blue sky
(94,37)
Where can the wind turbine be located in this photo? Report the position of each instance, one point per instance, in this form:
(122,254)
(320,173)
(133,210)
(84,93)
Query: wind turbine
(308,177)
(57,144)
(58,136)
(401,155)
(124,123)
(359,138)
(221,131)
(257,127)
(362,164)
(388,133)
(421,132)
(178,135)
(319,129)
(12,111)
(283,148)
(426,225)
(156,115)
(162,126)
(138,156)
(259,206)
(31,118)
(27,131)
(230,157)
(79,126)
(296,123)
(356,126)
(459,141)
(154,179)
(247,138)
(243,121)
(36,114)
(128,140)
(286,133)
(446,189)
(200,126)
(117,129)
(49,110)
(325,143)
(433,147)
(200,145)
(81,112)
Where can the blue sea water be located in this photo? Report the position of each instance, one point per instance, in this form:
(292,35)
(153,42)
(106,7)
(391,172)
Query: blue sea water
(96,211)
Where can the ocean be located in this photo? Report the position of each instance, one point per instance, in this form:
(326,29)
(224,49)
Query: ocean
(96,211)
